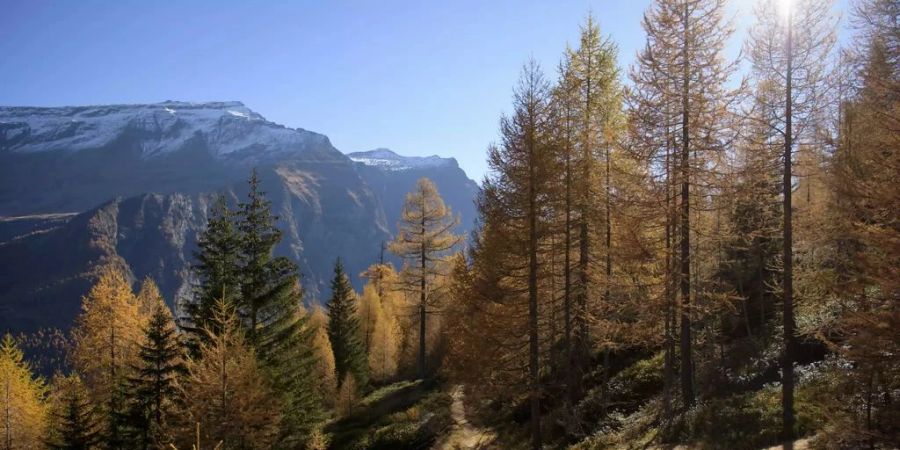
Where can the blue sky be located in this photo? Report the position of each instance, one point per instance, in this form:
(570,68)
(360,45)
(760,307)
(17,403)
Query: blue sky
(419,77)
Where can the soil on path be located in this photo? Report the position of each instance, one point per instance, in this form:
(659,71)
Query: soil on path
(463,435)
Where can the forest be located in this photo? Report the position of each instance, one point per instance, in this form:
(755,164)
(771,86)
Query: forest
(696,252)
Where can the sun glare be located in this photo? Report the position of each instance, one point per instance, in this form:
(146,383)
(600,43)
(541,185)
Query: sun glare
(784,7)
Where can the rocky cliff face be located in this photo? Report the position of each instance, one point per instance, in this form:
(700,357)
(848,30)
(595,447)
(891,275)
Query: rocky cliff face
(154,169)
(391,176)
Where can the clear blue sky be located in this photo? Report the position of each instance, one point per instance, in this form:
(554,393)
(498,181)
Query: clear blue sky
(419,77)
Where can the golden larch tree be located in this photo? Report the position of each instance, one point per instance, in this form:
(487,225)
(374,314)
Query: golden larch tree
(24,416)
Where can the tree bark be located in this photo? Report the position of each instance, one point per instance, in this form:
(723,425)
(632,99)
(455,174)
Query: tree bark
(787,368)
(687,368)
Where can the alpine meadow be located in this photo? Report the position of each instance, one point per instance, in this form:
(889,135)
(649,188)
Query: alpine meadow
(661,224)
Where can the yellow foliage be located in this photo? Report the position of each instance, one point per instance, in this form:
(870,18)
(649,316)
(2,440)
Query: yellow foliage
(147,298)
(326,378)
(226,392)
(348,397)
(24,416)
(106,334)
(379,328)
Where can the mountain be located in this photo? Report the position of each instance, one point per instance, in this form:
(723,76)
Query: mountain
(131,184)
(391,176)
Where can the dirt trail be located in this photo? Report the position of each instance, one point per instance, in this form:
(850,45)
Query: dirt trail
(462,434)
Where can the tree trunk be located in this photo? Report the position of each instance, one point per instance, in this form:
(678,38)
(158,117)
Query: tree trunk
(533,371)
(787,368)
(422,298)
(687,369)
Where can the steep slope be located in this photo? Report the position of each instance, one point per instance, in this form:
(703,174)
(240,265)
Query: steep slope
(391,176)
(153,170)
(71,159)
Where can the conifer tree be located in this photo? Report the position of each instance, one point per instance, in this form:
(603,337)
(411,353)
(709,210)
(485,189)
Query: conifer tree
(789,51)
(74,424)
(152,392)
(594,73)
(325,371)
(217,268)
(237,263)
(343,329)
(24,414)
(424,239)
(226,392)
(866,412)
(106,337)
(379,324)
(684,73)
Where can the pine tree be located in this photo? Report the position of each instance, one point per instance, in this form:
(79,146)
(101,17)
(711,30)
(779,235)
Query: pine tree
(343,329)
(218,268)
(73,421)
(424,239)
(226,392)
(23,420)
(236,262)
(152,393)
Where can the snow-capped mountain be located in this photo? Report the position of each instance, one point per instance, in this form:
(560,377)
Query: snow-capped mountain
(391,176)
(226,128)
(388,160)
(130,185)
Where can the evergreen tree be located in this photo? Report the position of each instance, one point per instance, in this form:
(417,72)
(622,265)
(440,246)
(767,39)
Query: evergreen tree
(73,421)
(22,410)
(237,264)
(343,329)
(218,268)
(226,392)
(152,392)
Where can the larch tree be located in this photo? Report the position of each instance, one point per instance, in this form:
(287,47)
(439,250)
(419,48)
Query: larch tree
(105,345)
(325,372)
(424,239)
(380,329)
(684,67)
(865,191)
(592,69)
(226,392)
(789,48)
(519,184)
(24,414)
(565,116)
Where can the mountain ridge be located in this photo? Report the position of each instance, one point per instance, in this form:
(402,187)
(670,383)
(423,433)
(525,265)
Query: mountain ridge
(120,180)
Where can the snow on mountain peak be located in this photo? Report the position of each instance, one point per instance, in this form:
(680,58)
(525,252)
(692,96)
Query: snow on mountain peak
(389,160)
(162,128)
